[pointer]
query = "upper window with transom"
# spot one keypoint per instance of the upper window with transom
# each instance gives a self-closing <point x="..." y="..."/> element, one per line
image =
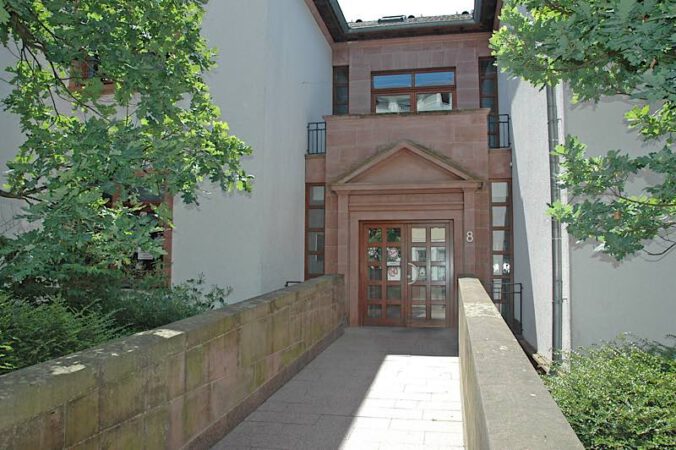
<point x="411" y="91"/>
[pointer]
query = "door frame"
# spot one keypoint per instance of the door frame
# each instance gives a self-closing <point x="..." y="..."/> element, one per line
<point x="405" y="245"/>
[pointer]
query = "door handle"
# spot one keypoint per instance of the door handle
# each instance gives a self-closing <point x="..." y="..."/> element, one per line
<point x="414" y="273"/>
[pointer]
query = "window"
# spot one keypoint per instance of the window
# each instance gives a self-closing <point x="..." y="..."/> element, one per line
<point x="488" y="97"/>
<point x="314" y="230"/>
<point x="341" y="91"/>
<point x="413" y="91"/>
<point x="501" y="238"/>
<point x="87" y="68"/>
<point x="143" y="262"/>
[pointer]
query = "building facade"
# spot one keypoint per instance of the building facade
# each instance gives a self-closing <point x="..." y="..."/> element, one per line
<point x="395" y="153"/>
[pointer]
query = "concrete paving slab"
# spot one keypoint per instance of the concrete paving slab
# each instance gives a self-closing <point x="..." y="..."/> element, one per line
<point x="374" y="388"/>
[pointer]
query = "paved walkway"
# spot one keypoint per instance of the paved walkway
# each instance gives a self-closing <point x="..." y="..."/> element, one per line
<point x="374" y="388"/>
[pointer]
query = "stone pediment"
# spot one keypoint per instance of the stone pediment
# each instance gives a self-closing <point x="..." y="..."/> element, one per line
<point x="406" y="165"/>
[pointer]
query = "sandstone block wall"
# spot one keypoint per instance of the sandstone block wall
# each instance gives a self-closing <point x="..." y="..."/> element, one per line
<point x="505" y="404"/>
<point x="184" y="385"/>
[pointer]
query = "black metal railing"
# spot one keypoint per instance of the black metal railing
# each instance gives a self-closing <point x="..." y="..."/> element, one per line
<point x="498" y="131"/>
<point x="509" y="299"/>
<point x="316" y="138"/>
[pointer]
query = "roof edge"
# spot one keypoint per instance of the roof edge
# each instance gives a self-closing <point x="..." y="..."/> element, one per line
<point x="332" y="15"/>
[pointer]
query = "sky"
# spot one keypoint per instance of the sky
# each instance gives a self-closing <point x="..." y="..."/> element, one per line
<point x="375" y="9"/>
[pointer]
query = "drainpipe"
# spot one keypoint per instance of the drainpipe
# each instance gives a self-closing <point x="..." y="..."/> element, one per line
<point x="557" y="265"/>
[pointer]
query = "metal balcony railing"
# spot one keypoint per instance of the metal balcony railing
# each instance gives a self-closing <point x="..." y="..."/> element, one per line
<point x="498" y="131"/>
<point x="316" y="138"/>
<point x="508" y="297"/>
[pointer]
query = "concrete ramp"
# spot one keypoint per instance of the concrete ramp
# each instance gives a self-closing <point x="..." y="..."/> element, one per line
<point x="374" y="388"/>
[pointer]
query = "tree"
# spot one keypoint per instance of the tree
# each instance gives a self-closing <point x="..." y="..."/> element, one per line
<point x="90" y="154"/>
<point x="605" y="48"/>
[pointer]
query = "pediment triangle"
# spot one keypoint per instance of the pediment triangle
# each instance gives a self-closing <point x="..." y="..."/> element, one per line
<point x="406" y="163"/>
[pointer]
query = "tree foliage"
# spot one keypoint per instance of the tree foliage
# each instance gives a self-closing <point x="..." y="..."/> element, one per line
<point x="90" y="155"/>
<point x="606" y="48"/>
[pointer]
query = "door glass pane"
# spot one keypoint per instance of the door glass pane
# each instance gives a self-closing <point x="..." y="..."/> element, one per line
<point x="315" y="264"/>
<point x="418" y="234"/>
<point x="438" y="254"/>
<point x="393" y="103"/>
<point x="499" y="216"/>
<point x="487" y="102"/>
<point x="375" y="292"/>
<point x="340" y="109"/>
<point x="315" y="241"/>
<point x="341" y="94"/>
<point x="434" y="79"/>
<point x="375" y="235"/>
<point x="316" y="196"/>
<point x="497" y="289"/>
<point x="394" y="292"/>
<point x="438" y="101"/>
<point x="501" y="265"/>
<point x="375" y="311"/>
<point x="418" y="312"/>
<point x="393" y="256"/>
<point x="500" y="241"/>
<point x="438" y="293"/>
<point x="392" y="81"/>
<point x="418" y="293"/>
<point x="419" y="254"/>
<point x="393" y="312"/>
<point x="393" y="274"/>
<point x="422" y="274"/>
<point x="374" y="253"/>
<point x="394" y="235"/>
<point x="488" y="87"/>
<point x="499" y="192"/>
<point x="487" y="67"/>
<point x="375" y="273"/>
<point x="438" y="273"/>
<point x="316" y="218"/>
<point x="438" y="234"/>
<point x="438" y="312"/>
<point x="340" y="74"/>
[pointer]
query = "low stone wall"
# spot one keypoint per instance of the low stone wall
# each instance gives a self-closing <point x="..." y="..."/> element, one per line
<point x="505" y="404"/>
<point x="182" y="386"/>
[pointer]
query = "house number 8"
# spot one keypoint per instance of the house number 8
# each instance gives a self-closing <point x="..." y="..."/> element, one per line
<point x="470" y="236"/>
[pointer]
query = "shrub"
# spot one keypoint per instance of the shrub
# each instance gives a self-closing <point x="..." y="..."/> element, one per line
<point x="619" y="395"/>
<point x="42" y="328"/>
<point x="143" y="309"/>
<point x="31" y="333"/>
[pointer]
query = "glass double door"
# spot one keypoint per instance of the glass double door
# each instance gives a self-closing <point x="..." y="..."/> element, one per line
<point x="405" y="274"/>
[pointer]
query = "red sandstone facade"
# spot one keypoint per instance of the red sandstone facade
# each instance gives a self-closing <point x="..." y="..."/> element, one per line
<point x="433" y="169"/>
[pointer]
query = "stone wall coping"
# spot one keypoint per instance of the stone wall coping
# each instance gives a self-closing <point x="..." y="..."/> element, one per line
<point x="505" y="403"/>
<point x="52" y="388"/>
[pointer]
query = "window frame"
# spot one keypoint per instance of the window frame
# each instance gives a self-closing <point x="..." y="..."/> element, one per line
<point x="412" y="91"/>
<point x="308" y="230"/>
<point x="337" y="85"/>
<point x="81" y="71"/>
<point x="493" y="124"/>
<point x="507" y="229"/>
<point x="167" y="232"/>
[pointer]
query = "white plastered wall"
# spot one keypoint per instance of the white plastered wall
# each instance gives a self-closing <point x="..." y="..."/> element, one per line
<point x="10" y="139"/>
<point x="527" y="107"/>
<point x="274" y="77"/>
<point x="609" y="298"/>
